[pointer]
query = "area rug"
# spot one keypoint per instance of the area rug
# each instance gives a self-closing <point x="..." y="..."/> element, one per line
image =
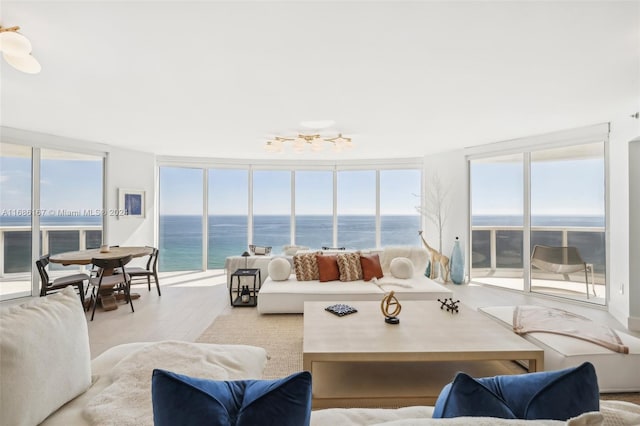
<point x="281" y="336"/>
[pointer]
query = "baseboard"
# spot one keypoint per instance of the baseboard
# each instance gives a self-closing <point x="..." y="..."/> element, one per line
<point x="633" y="323"/>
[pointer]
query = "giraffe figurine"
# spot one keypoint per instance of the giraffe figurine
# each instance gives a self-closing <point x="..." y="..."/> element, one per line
<point x="437" y="257"/>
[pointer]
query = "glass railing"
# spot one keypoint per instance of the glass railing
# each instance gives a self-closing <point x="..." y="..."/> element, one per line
<point x="15" y="245"/>
<point x="497" y="250"/>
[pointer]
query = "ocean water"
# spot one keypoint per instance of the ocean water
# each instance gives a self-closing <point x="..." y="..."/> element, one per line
<point x="181" y="237"/>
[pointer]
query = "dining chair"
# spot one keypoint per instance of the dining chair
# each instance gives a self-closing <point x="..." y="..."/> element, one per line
<point x="137" y="272"/>
<point x="51" y="286"/>
<point x="106" y="278"/>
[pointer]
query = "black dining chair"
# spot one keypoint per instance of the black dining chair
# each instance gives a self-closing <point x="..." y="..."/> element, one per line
<point x="151" y="270"/>
<point x="106" y="278"/>
<point x="51" y="286"/>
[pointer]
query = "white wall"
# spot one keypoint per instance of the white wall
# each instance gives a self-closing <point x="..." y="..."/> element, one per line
<point x="634" y="234"/>
<point x="622" y="131"/>
<point x="130" y="170"/>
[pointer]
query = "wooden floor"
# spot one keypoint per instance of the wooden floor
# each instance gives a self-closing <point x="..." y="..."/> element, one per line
<point x="190" y="301"/>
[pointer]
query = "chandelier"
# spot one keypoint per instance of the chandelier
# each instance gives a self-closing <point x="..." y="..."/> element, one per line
<point x="16" y="50"/>
<point x="312" y="142"/>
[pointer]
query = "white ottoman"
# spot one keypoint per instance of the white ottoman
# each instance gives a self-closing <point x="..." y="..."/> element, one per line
<point x="616" y="372"/>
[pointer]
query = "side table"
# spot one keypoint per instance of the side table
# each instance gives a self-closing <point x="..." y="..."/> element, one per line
<point x="253" y="292"/>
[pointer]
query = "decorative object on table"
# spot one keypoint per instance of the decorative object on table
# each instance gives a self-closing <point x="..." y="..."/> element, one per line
<point x="450" y="305"/>
<point x="437" y="258"/>
<point x="260" y="250"/>
<point x="456" y="263"/>
<point x="245" y="255"/>
<point x="341" y="309"/>
<point x="245" y="295"/>
<point x="104" y="248"/>
<point x="131" y="203"/>
<point x="390" y="302"/>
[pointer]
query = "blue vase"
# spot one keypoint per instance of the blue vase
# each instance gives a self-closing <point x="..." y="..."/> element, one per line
<point x="427" y="272"/>
<point x="456" y="263"/>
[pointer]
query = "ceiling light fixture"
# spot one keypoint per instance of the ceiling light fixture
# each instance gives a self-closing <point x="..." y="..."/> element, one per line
<point x="16" y="50"/>
<point x="303" y="142"/>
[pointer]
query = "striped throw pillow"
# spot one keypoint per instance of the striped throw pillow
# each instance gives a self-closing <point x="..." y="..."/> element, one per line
<point x="349" y="266"/>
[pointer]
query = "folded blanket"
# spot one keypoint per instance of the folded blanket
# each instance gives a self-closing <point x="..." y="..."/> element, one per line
<point x="538" y="319"/>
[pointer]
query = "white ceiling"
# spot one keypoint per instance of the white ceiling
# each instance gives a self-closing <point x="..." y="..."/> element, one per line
<point x="216" y="79"/>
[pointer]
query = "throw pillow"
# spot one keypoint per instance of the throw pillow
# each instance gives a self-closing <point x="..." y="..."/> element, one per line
<point x="401" y="267"/>
<point x="555" y="395"/>
<point x="328" y="268"/>
<point x="279" y="269"/>
<point x="306" y="266"/>
<point x="370" y="267"/>
<point x="349" y="266"/>
<point x="183" y="400"/>
<point x="44" y="357"/>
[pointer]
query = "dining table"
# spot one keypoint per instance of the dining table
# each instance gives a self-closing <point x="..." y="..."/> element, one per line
<point x="84" y="257"/>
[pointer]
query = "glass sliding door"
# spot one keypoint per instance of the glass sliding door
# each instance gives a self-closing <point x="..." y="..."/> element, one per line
<point x="15" y="221"/>
<point x="314" y="209"/>
<point x="181" y="218"/>
<point x="71" y="198"/>
<point x="497" y="219"/>
<point x="568" y="210"/>
<point x="272" y="209"/>
<point x="357" y="209"/>
<point x="399" y="196"/>
<point x="228" y="215"/>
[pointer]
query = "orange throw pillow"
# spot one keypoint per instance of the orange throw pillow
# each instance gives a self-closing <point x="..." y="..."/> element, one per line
<point x="371" y="267"/>
<point x="328" y="268"/>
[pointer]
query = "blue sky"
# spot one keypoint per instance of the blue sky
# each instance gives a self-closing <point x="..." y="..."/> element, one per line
<point x="65" y="184"/>
<point x="557" y="187"/>
<point x="564" y="187"/>
<point x="181" y="189"/>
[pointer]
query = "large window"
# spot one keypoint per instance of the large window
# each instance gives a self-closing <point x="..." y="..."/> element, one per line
<point x="15" y="221"/>
<point x="314" y="208"/>
<point x="568" y="210"/>
<point x="71" y="222"/>
<point x="272" y="208"/>
<point x="399" y="197"/>
<point x="228" y="214"/>
<point x="543" y="197"/>
<point x="68" y="215"/>
<point x="181" y="220"/>
<point x="497" y="217"/>
<point x="357" y="209"/>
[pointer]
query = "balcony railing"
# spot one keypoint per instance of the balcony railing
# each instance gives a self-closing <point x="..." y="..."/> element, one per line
<point x="499" y="248"/>
<point x="15" y="244"/>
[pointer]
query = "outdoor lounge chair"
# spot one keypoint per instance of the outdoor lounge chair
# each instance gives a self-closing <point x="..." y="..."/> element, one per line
<point x="562" y="260"/>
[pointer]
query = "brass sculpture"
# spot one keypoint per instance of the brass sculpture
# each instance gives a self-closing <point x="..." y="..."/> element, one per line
<point x="388" y="303"/>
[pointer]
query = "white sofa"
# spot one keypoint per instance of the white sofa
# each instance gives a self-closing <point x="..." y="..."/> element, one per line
<point x="288" y="296"/>
<point x="47" y="377"/>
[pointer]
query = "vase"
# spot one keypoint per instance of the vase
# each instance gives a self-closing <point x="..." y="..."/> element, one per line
<point x="456" y="263"/>
<point x="427" y="272"/>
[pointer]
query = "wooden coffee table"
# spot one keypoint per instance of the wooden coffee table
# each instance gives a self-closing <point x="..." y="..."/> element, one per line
<point x="360" y="361"/>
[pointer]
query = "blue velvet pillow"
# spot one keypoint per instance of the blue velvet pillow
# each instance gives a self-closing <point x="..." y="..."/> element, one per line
<point x="553" y="395"/>
<point x="182" y="400"/>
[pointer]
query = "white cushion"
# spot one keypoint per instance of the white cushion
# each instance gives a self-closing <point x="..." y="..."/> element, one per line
<point x="616" y="372"/>
<point x="279" y="269"/>
<point x="401" y="267"/>
<point x="44" y="357"/>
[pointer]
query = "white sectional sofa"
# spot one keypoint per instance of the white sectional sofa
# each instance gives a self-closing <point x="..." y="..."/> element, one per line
<point x="288" y="296"/>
